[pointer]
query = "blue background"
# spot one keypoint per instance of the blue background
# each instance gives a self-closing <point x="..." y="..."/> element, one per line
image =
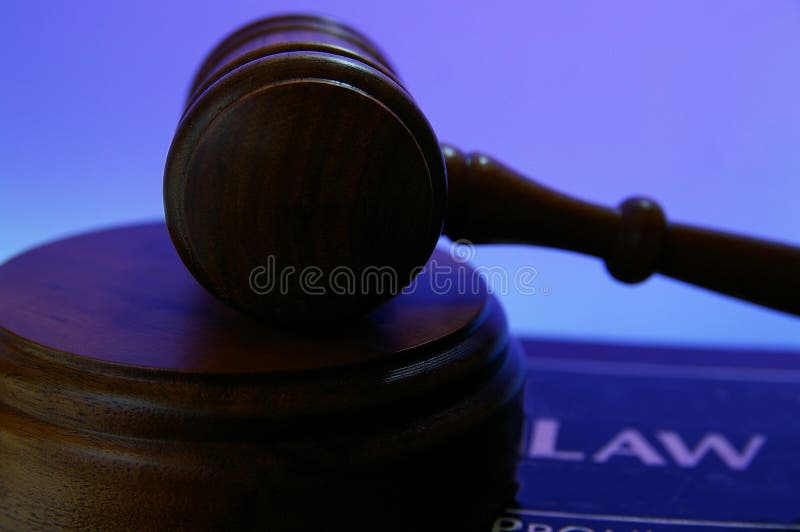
<point x="692" y="102"/>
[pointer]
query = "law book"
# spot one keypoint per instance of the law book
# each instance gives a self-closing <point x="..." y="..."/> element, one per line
<point x="620" y="438"/>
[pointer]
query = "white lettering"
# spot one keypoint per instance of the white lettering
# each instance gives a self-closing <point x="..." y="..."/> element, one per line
<point x="544" y="442"/>
<point x="507" y="524"/>
<point x="685" y="457"/>
<point x="630" y="442"/>
<point x="541" y="441"/>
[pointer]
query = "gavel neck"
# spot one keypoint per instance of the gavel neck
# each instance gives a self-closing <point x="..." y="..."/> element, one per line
<point x="490" y="203"/>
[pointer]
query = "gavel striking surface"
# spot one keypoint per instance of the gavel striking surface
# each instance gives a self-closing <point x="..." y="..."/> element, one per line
<point x="130" y="396"/>
<point x="299" y="143"/>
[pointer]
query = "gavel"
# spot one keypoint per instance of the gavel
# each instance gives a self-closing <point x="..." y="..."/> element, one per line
<point x="129" y="396"/>
<point x="300" y="155"/>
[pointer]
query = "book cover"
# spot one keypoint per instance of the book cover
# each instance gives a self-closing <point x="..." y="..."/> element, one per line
<point x="651" y="439"/>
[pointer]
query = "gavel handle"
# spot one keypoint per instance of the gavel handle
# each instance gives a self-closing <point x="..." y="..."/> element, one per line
<point x="489" y="202"/>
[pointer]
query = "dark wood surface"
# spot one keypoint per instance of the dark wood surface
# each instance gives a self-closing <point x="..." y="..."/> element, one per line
<point x="122" y="296"/>
<point x="130" y="397"/>
<point x="489" y="202"/>
<point x="299" y="143"/>
<point x="288" y="33"/>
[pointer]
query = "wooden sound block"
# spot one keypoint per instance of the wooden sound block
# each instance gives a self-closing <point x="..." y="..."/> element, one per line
<point x="131" y="398"/>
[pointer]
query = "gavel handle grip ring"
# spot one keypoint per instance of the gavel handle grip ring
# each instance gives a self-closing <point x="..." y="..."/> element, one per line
<point x="490" y="203"/>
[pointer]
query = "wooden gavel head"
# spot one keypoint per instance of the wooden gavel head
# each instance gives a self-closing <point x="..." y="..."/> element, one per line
<point x="304" y="183"/>
<point x="301" y="165"/>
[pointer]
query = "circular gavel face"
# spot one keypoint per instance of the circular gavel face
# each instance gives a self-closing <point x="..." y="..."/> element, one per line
<point x="304" y="185"/>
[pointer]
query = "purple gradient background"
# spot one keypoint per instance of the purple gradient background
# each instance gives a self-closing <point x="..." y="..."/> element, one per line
<point x="696" y="103"/>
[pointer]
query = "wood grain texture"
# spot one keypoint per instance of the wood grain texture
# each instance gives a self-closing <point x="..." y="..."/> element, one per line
<point x="299" y="144"/>
<point x="489" y="202"/>
<point x="286" y="33"/>
<point x="130" y="397"/>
